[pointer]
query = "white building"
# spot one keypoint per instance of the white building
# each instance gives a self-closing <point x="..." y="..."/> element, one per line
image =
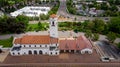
<point x="49" y="44"/>
<point x="38" y="44"/>
<point x="31" y="11"/>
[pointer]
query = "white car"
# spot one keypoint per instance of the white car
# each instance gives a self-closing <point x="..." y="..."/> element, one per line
<point x="105" y="59"/>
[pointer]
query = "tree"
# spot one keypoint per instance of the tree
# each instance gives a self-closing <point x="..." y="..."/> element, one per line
<point x="89" y="25"/>
<point x="98" y="25"/>
<point x="118" y="45"/>
<point x="114" y="25"/>
<point x="104" y="6"/>
<point x="95" y="36"/>
<point x="23" y="19"/>
<point x="113" y="8"/>
<point x="111" y="37"/>
<point x="44" y="17"/>
<point x="40" y="26"/>
<point x="88" y="34"/>
<point x="13" y="25"/>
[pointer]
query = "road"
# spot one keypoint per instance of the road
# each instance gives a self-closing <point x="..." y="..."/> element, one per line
<point x="62" y="34"/>
<point x="62" y="11"/>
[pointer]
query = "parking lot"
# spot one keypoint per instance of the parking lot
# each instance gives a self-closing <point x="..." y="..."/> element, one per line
<point x="109" y="50"/>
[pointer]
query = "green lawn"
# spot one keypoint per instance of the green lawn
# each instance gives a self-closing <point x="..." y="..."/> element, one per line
<point x="6" y="42"/>
<point x="34" y="27"/>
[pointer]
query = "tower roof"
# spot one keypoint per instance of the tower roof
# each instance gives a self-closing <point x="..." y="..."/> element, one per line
<point x="53" y="16"/>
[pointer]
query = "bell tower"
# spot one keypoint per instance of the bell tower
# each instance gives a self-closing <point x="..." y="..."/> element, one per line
<point x="53" y="26"/>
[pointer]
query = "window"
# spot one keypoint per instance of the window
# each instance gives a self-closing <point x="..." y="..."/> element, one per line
<point x="51" y="53"/>
<point x="24" y="46"/>
<point x="24" y="53"/>
<point x="29" y="45"/>
<point x="53" y="24"/>
<point x="13" y="53"/>
<point x="40" y="45"/>
<point x="56" y="53"/>
<point x="45" y="45"/>
<point x="18" y="53"/>
<point x="56" y="44"/>
<point x="35" y="45"/>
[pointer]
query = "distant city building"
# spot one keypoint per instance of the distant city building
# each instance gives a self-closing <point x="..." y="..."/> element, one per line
<point x="50" y="44"/>
<point x="100" y="1"/>
<point x="31" y="11"/>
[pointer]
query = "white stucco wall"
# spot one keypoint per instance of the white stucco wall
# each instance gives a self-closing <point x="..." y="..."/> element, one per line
<point x="90" y="51"/>
<point x="35" y="47"/>
<point x="53" y="29"/>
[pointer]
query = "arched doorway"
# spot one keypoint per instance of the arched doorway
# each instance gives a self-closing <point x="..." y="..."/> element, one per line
<point x="35" y="52"/>
<point x="40" y="52"/>
<point x="86" y="52"/>
<point x="30" y="52"/>
<point x="61" y="51"/>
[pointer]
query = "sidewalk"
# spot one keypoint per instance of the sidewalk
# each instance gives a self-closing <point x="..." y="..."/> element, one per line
<point x="3" y="55"/>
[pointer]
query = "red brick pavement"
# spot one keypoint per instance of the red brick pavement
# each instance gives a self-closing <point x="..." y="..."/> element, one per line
<point x="73" y="60"/>
<point x="63" y="65"/>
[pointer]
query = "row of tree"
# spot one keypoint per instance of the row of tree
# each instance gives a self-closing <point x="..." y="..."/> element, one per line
<point x="70" y="7"/>
<point x="95" y="27"/>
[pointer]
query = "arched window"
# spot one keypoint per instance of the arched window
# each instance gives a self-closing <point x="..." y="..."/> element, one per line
<point x="18" y="53"/>
<point x="40" y="52"/>
<point x="56" y="53"/>
<point x="53" y="23"/>
<point x="13" y="53"/>
<point x="35" y="52"/>
<point x="51" y="53"/>
<point x="30" y="52"/>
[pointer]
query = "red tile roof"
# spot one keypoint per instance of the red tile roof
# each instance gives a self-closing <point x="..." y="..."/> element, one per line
<point x="36" y="39"/>
<point x="67" y="44"/>
<point x="80" y="43"/>
<point x="84" y="42"/>
<point x="53" y="16"/>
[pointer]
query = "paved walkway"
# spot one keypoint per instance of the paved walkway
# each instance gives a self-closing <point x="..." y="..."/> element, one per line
<point x="3" y="55"/>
